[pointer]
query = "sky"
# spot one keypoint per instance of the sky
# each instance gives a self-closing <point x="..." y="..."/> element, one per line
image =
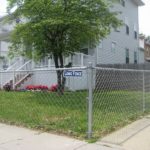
<point x="144" y="12"/>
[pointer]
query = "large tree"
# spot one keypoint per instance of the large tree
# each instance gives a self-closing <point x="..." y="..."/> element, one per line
<point x="59" y="27"/>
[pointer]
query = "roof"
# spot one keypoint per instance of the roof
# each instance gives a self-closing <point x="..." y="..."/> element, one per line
<point x="142" y="37"/>
<point x="139" y="2"/>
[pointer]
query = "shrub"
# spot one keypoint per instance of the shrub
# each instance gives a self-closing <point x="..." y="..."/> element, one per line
<point x="53" y="87"/>
<point x="37" y="87"/>
<point x="30" y="87"/>
<point x="7" y="87"/>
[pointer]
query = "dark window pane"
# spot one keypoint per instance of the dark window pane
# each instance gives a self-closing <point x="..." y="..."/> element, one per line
<point x="135" y="34"/>
<point x="122" y="2"/>
<point x="84" y="51"/>
<point x="127" y="29"/>
<point x="127" y="56"/>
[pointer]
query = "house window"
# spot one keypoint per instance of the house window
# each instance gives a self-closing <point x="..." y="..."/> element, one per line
<point x="127" y="26"/>
<point x="122" y="2"/>
<point x="127" y="30"/>
<point x="84" y="51"/>
<point x="113" y="46"/>
<point x="135" y="31"/>
<point x="127" y="56"/>
<point x="135" y="34"/>
<point x="5" y="63"/>
<point x="135" y="57"/>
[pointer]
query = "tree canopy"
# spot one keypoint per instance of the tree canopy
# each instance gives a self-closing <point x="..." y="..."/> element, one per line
<point x="59" y="27"/>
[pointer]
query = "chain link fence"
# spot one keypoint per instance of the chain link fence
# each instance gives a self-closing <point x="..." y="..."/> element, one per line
<point x="31" y="98"/>
<point x="93" y="102"/>
<point x="118" y="99"/>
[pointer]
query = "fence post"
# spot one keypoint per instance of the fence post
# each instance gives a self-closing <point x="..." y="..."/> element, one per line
<point x="13" y="82"/>
<point x="143" y="91"/>
<point x="1" y="80"/>
<point x="82" y="59"/>
<point x="49" y="62"/>
<point x="90" y="100"/>
<point x="32" y="64"/>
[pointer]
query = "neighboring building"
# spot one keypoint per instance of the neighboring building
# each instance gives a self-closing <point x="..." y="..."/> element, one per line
<point x="142" y="41"/>
<point x="147" y="50"/>
<point x="144" y="44"/>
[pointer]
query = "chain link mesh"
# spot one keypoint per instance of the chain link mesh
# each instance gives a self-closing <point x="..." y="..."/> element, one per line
<point x="119" y="97"/>
<point x="36" y="102"/>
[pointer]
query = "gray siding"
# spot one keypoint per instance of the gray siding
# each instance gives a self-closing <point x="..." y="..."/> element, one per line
<point x="105" y="55"/>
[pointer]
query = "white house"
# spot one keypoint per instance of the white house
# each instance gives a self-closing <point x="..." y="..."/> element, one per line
<point x="120" y="47"/>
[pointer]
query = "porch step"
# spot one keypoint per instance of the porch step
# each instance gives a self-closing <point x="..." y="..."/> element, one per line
<point x="22" y="80"/>
<point x="19" y="79"/>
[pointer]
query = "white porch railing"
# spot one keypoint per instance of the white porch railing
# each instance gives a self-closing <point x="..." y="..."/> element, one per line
<point x="26" y="66"/>
<point x="77" y="60"/>
<point x="80" y="59"/>
<point x="14" y="65"/>
<point x="15" y="75"/>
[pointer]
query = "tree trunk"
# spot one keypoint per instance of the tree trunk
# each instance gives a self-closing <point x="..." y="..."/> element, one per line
<point x="60" y="78"/>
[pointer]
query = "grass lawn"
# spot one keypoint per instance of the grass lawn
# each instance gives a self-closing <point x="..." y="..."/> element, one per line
<point x="67" y="114"/>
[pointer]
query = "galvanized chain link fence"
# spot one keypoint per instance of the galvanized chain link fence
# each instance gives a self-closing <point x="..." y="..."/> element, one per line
<point x="94" y="101"/>
<point x="34" y="101"/>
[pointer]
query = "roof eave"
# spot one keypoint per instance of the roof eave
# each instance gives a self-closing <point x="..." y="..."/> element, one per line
<point x="139" y="2"/>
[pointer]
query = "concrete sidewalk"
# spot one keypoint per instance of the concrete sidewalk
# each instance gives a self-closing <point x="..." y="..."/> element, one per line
<point x="141" y="141"/>
<point x="135" y="136"/>
<point x="16" y="138"/>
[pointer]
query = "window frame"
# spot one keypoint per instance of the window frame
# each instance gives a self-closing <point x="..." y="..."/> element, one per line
<point x="113" y="46"/>
<point x="135" y="57"/>
<point x="135" y="32"/>
<point x="127" y="27"/>
<point x="123" y="3"/>
<point x="127" y="56"/>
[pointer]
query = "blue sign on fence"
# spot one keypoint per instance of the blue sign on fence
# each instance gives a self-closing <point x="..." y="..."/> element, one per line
<point x="68" y="73"/>
<point x="72" y="73"/>
<point x="78" y="73"/>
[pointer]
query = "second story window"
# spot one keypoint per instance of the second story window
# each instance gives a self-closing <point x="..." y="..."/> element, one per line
<point x="135" y="34"/>
<point x="127" y="26"/>
<point x="127" y="55"/>
<point x="127" y="30"/>
<point x="122" y="3"/>
<point x="135" y="31"/>
<point x="113" y="46"/>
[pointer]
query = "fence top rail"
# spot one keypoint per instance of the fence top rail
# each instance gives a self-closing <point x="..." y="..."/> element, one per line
<point x="45" y="69"/>
<point x="124" y="70"/>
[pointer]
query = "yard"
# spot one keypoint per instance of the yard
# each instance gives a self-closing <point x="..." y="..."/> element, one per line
<point x="67" y="114"/>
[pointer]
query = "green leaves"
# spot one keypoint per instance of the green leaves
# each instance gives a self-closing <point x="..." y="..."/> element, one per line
<point x="60" y="26"/>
